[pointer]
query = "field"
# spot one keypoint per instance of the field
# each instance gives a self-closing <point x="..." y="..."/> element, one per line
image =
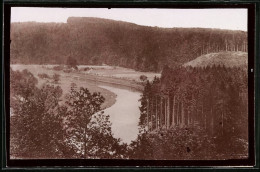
<point x="119" y="72"/>
<point x="91" y="79"/>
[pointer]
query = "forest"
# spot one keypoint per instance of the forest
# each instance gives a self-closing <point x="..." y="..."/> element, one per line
<point x="96" y="41"/>
<point x="197" y="106"/>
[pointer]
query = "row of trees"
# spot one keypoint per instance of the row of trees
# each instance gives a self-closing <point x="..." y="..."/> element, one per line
<point x="212" y="98"/>
<point x="229" y="45"/>
<point x="43" y="127"/>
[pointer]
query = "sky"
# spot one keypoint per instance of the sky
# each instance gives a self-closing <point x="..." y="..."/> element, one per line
<point x="232" y="19"/>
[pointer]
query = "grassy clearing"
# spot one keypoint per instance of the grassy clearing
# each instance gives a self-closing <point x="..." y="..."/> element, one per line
<point x="224" y="58"/>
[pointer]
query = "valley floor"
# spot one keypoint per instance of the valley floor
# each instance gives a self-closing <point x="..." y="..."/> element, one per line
<point x="97" y="75"/>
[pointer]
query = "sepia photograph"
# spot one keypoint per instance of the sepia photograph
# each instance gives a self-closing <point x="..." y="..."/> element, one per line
<point x="129" y="83"/>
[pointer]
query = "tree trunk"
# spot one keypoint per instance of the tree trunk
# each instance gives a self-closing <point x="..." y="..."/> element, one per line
<point x="205" y="119"/>
<point x="178" y="114"/>
<point x="212" y="121"/>
<point x="156" y="120"/>
<point x="151" y="114"/>
<point x="85" y="141"/>
<point x="161" y="111"/>
<point x="182" y="114"/>
<point x="168" y="112"/>
<point x="226" y="45"/>
<point x="188" y="117"/>
<point x="173" y="111"/>
<point x="222" y="122"/>
<point x="165" y="113"/>
<point x="147" y="117"/>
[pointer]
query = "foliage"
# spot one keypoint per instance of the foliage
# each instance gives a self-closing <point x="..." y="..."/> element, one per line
<point x="56" y="78"/>
<point x="42" y="127"/>
<point x="86" y="68"/>
<point x="148" y="93"/>
<point x="58" y="68"/>
<point x="173" y="144"/>
<point x="36" y="127"/>
<point x="43" y="76"/>
<point x="143" y="78"/>
<point x="22" y="84"/>
<point x="89" y="130"/>
<point x="72" y="62"/>
<point x="67" y="70"/>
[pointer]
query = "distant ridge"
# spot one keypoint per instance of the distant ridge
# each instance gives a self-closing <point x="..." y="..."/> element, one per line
<point x="91" y="20"/>
<point x="227" y="59"/>
<point x="94" y="41"/>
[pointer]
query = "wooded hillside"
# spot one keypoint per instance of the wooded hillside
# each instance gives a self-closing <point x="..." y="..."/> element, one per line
<point x="96" y="41"/>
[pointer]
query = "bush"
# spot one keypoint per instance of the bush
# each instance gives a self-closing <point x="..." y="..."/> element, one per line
<point x="72" y="63"/>
<point x="67" y="70"/>
<point x="58" y="68"/>
<point x="86" y="69"/>
<point x="44" y="76"/>
<point x="56" y="78"/>
<point x="143" y="78"/>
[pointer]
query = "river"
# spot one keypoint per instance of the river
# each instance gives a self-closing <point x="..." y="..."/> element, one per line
<point x="124" y="114"/>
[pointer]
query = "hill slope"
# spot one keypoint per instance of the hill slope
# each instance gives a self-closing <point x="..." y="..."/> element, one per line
<point x="94" y="41"/>
<point x="227" y="59"/>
